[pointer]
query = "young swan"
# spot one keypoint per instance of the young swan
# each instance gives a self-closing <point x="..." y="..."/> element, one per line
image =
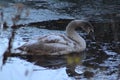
<point x="59" y="44"/>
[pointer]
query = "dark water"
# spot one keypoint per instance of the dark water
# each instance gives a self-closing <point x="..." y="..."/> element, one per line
<point x="100" y="61"/>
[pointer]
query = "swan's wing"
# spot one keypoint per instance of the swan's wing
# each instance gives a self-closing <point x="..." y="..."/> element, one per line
<point x="44" y="48"/>
<point x="49" y="44"/>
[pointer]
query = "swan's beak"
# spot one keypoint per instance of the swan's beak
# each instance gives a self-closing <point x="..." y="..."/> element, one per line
<point x="91" y="33"/>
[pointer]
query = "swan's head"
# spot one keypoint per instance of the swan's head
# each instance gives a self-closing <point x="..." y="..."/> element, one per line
<point x="86" y="26"/>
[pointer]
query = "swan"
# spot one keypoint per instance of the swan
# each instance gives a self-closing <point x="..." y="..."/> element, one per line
<point x="59" y="44"/>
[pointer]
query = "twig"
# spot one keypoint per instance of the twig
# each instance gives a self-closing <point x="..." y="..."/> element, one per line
<point x="10" y="42"/>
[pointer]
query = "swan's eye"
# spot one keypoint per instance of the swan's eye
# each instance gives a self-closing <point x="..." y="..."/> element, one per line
<point x="87" y="26"/>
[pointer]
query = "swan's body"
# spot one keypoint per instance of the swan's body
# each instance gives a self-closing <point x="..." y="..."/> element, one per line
<point x="58" y="44"/>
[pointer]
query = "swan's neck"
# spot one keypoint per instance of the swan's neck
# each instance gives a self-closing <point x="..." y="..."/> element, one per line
<point x="71" y="33"/>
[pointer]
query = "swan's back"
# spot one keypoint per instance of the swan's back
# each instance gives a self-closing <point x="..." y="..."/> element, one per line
<point x="53" y="39"/>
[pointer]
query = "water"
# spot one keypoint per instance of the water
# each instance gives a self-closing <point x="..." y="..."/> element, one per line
<point x="101" y="64"/>
<point x="100" y="61"/>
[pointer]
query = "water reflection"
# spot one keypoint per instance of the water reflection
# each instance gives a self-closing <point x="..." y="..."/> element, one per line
<point x="69" y="61"/>
<point x="26" y="66"/>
